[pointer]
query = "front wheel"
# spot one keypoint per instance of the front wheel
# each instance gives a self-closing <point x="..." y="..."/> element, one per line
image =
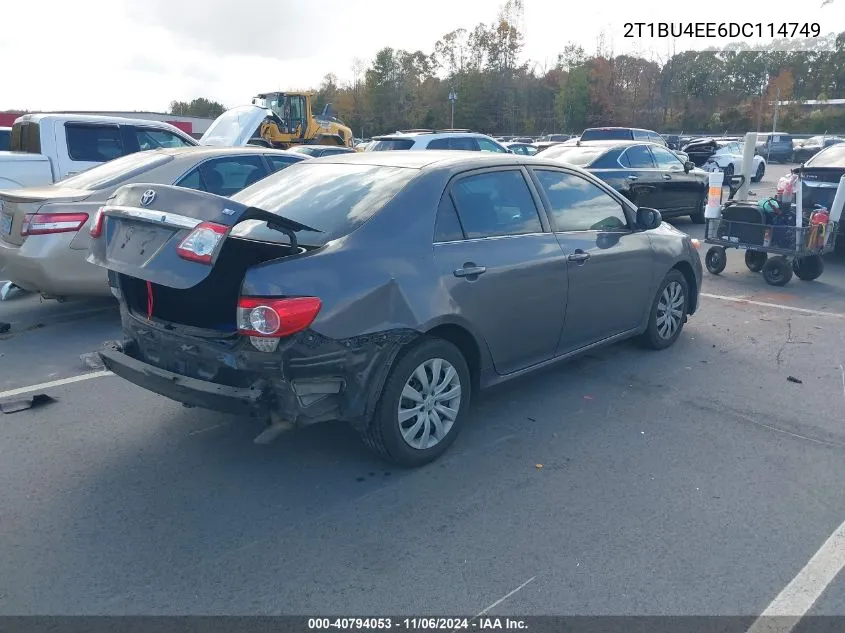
<point x="808" y="268"/>
<point x="761" y="171"/>
<point x="716" y="259"/>
<point x="668" y="312"/>
<point x="422" y="405"/>
<point x="729" y="173"/>
<point x="777" y="271"/>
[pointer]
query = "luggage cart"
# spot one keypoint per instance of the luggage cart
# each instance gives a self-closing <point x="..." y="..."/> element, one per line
<point x="796" y="250"/>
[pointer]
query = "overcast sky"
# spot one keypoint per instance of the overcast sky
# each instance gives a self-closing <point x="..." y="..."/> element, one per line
<point x="141" y="54"/>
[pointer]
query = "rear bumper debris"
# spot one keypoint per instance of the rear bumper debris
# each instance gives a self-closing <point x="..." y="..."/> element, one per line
<point x="190" y="391"/>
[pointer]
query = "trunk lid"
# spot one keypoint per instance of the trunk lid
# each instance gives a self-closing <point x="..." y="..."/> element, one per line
<point x="819" y="185"/>
<point x="16" y="204"/>
<point x="144" y="224"/>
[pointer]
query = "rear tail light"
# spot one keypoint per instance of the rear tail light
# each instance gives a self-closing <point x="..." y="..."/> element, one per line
<point x="263" y="318"/>
<point x="45" y="223"/>
<point x="96" y="229"/>
<point x="199" y="245"/>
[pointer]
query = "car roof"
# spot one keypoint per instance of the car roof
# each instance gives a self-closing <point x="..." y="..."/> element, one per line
<point x="612" y="144"/>
<point x="210" y="150"/>
<point x="413" y="135"/>
<point x="436" y="159"/>
<point x="620" y="127"/>
<point x="325" y="147"/>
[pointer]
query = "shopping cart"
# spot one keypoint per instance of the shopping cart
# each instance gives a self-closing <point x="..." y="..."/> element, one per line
<point x="796" y="249"/>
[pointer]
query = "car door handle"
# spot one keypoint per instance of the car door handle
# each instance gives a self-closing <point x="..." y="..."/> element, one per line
<point x="578" y="256"/>
<point x="470" y="270"/>
<point x="667" y="177"/>
<point x="633" y="178"/>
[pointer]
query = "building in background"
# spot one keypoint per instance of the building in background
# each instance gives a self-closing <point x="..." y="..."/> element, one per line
<point x="195" y="126"/>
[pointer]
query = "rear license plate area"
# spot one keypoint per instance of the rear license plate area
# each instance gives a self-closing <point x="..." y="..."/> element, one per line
<point x="137" y="242"/>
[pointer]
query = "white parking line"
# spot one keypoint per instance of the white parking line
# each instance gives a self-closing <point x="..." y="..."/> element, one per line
<point x="798" y="597"/>
<point x="54" y="383"/>
<point x="773" y="305"/>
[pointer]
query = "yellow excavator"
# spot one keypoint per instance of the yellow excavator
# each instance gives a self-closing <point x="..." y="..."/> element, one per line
<point x="294" y="124"/>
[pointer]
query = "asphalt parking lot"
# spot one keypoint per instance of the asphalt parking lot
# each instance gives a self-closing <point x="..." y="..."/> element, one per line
<point x="695" y="481"/>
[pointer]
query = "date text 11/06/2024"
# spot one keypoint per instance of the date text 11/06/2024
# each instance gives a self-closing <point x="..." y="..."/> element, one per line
<point x="478" y="623"/>
<point x="722" y="29"/>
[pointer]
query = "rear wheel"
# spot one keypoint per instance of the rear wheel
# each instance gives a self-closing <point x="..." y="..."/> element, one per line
<point x="755" y="260"/>
<point x="808" y="268"/>
<point x="716" y="259"/>
<point x="668" y="312"/>
<point x="422" y="406"/>
<point x="729" y="172"/>
<point x="777" y="271"/>
<point x="698" y="216"/>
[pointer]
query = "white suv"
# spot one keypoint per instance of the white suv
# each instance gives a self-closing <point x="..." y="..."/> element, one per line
<point x="432" y="139"/>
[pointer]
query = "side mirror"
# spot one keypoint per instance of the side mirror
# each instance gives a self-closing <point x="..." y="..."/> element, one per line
<point x="648" y="219"/>
<point x="689" y="166"/>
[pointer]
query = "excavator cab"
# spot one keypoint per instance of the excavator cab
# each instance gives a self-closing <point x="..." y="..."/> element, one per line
<point x="291" y="109"/>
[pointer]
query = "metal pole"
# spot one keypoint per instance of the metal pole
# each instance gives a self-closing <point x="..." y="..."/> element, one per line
<point x="453" y="115"/>
<point x="775" y="116"/>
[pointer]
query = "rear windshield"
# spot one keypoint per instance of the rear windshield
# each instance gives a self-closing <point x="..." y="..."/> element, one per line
<point x="390" y="144"/>
<point x="26" y="137"/>
<point x="574" y="155"/>
<point x="334" y="198"/>
<point x="5" y="140"/>
<point x="833" y="156"/>
<point x="607" y="134"/>
<point x="116" y="171"/>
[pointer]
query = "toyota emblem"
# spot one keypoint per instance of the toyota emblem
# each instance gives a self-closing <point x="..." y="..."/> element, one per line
<point x="147" y="197"/>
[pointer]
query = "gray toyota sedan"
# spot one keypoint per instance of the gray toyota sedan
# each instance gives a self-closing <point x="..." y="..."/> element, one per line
<point x="384" y="288"/>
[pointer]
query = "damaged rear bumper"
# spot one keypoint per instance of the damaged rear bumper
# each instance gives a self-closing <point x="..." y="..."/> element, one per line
<point x="190" y="391"/>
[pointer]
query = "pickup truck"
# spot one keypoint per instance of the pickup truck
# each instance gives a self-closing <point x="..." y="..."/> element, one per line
<point x="46" y="148"/>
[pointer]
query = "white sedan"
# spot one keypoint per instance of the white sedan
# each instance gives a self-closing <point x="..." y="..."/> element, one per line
<point x="728" y="159"/>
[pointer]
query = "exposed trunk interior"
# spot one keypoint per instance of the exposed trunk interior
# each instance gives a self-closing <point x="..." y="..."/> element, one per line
<point x="212" y="303"/>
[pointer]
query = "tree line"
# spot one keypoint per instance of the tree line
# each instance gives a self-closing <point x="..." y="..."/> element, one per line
<point x="499" y="92"/>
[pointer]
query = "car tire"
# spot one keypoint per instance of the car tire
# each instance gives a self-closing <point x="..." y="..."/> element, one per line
<point x="808" y="268"/>
<point x="668" y="312"/>
<point x="755" y="260"/>
<point x="777" y="271"/>
<point x="698" y="216"/>
<point x="715" y="260"/>
<point x="728" y="174"/>
<point x="386" y="434"/>
<point x="761" y="171"/>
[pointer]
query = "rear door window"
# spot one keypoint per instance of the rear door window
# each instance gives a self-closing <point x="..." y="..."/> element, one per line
<point x="5" y="140"/>
<point x="496" y="203"/>
<point x="93" y="143"/>
<point x="637" y="157"/>
<point x="463" y="143"/>
<point x="640" y="135"/>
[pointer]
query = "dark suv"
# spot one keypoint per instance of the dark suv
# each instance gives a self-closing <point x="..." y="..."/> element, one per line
<point x="622" y="134"/>
<point x="775" y="147"/>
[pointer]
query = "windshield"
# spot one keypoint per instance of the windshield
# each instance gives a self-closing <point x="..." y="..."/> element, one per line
<point x="574" y="155"/>
<point x="607" y="134"/>
<point x="116" y="171"/>
<point x="226" y="128"/>
<point x="833" y="156"/>
<point x="334" y="198"/>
